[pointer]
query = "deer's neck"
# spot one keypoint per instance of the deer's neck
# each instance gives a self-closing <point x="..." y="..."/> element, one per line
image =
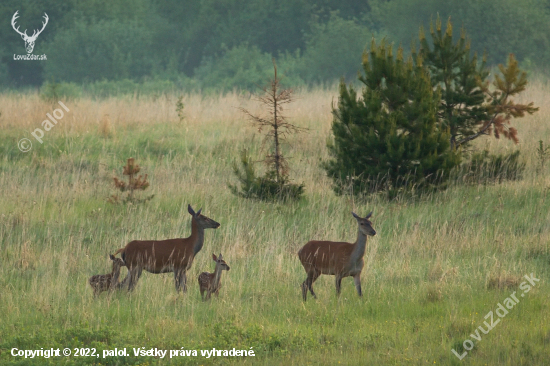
<point x="217" y="276"/>
<point x="197" y="236"/>
<point x="359" y="247"/>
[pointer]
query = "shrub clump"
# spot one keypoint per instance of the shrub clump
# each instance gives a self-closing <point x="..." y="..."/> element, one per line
<point x="263" y="188"/>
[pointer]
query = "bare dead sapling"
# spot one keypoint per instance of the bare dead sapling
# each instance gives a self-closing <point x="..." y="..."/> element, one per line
<point x="275" y="184"/>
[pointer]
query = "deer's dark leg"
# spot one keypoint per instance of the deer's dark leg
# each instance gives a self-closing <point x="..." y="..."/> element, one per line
<point x="133" y="274"/>
<point x="308" y="283"/>
<point x="180" y="279"/>
<point x="312" y="278"/>
<point x="304" y="289"/>
<point x="357" y="280"/>
<point x="177" y="279"/>
<point x="184" y="281"/>
<point x="338" y="285"/>
<point x="178" y="273"/>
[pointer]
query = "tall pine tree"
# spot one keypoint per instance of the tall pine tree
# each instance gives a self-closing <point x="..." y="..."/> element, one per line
<point x="389" y="139"/>
<point x="468" y="108"/>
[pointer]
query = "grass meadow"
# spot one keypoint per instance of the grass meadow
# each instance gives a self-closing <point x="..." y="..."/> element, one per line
<point x="437" y="266"/>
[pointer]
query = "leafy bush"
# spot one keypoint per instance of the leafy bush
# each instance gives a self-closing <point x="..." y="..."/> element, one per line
<point x="246" y="68"/>
<point x="240" y="67"/>
<point x="54" y="92"/>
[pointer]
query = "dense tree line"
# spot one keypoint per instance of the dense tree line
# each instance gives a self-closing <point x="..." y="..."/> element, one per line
<point x="230" y="43"/>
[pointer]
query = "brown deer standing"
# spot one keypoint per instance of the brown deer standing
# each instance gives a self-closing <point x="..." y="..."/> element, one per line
<point x="210" y="282"/>
<point x="162" y="256"/>
<point x="107" y="282"/>
<point x="336" y="258"/>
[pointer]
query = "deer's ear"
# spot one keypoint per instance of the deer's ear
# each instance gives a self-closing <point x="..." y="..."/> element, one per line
<point x="190" y="210"/>
<point x="355" y="215"/>
<point x="369" y="215"/>
<point x="220" y="257"/>
<point x="199" y="211"/>
<point x="214" y="257"/>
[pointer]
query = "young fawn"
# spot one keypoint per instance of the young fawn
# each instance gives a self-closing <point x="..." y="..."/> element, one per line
<point x="107" y="282"/>
<point x="210" y="282"/>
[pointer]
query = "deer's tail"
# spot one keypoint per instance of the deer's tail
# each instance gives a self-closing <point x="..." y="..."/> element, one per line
<point x="119" y="251"/>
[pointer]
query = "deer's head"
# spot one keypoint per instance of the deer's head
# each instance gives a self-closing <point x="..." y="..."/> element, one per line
<point x="117" y="262"/>
<point x="203" y="221"/>
<point x="365" y="226"/>
<point x="220" y="262"/>
<point x="29" y="41"/>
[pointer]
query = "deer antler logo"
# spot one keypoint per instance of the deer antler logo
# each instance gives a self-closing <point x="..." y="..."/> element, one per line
<point x="29" y="41"/>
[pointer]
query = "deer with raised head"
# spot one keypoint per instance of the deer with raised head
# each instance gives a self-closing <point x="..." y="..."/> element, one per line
<point x="107" y="282"/>
<point x="29" y="41"/>
<point x="338" y="259"/>
<point x="210" y="282"/>
<point x="163" y="256"/>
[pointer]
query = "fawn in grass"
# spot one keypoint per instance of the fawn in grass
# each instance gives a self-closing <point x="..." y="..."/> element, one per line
<point x="109" y="281"/>
<point x="162" y="256"/>
<point x="210" y="282"/>
<point x="339" y="259"/>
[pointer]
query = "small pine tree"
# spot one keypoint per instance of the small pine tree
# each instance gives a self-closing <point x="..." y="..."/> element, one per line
<point x="131" y="169"/>
<point x="389" y="139"/>
<point x="180" y="106"/>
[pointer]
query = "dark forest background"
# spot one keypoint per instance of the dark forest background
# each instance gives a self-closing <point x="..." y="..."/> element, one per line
<point x="226" y="44"/>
